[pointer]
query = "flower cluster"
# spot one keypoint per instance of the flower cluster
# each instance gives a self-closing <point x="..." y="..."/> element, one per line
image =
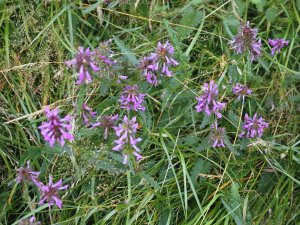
<point x="56" y="129"/>
<point x="29" y="221"/>
<point x="87" y="115"/>
<point x="132" y="99"/>
<point x="246" y="40"/>
<point x="107" y="122"/>
<point x="208" y="101"/>
<point x="241" y="90"/>
<point x="49" y="192"/>
<point x="253" y="127"/>
<point x="84" y="63"/>
<point x="216" y="136"/>
<point x="127" y="142"/>
<point x="277" y="44"/>
<point x="27" y="174"/>
<point x="158" y="63"/>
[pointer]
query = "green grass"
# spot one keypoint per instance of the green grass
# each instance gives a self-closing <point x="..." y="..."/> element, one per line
<point x="182" y="180"/>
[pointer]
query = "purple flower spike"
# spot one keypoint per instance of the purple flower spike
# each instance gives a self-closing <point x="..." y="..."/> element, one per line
<point x="253" y="127"/>
<point x="84" y="63"/>
<point x="163" y="58"/>
<point x="216" y="136"/>
<point x="49" y="192"/>
<point x="277" y="44"/>
<point x="246" y="40"/>
<point x="107" y="122"/>
<point x="241" y="90"/>
<point x="29" y="221"/>
<point x="208" y="101"/>
<point x="126" y="132"/>
<point x="132" y="99"/>
<point x="148" y="68"/>
<point x="27" y="174"/>
<point x="87" y="114"/>
<point x="56" y="129"/>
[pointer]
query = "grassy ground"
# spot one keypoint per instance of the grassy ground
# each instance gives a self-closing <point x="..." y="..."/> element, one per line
<point x="181" y="180"/>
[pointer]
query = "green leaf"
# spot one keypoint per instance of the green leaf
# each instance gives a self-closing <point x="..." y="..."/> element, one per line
<point x="92" y="7"/>
<point x="229" y="145"/>
<point x="126" y="51"/>
<point x="150" y="180"/>
<point x="271" y="13"/>
<point x="191" y="18"/>
<point x="201" y="166"/>
<point x="232" y="203"/>
<point x="196" y="2"/>
<point x="259" y="4"/>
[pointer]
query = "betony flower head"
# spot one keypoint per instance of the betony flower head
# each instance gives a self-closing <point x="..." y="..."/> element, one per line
<point x="56" y="129"/>
<point x="241" y="90"/>
<point x="253" y="127"/>
<point x="127" y="142"/>
<point x="103" y="57"/>
<point x="277" y="44"/>
<point x="148" y="67"/>
<point x="163" y="58"/>
<point x="49" y="192"/>
<point x="29" y="221"/>
<point x="87" y="114"/>
<point x="216" y="136"/>
<point x="246" y="40"/>
<point x="27" y="174"/>
<point x="84" y="63"/>
<point x="107" y="122"/>
<point x="132" y="99"/>
<point x="208" y="101"/>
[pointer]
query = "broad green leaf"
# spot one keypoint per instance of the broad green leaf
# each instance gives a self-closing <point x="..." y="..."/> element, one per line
<point x="126" y="51"/>
<point x="191" y="18"/>
<point x="271" y="13"/>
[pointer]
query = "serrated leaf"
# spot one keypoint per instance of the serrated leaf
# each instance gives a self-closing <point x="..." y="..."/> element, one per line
<point x="191" y="17"/>
<point x="259" y="4"/>
<point x="229" y="145"/>
<point x="271" y="13"/>
<point x="196" y="2"/>
<point x="204" y="145"/>
<point x="206" y="120"/>
<point x="126" y="51"/>
<point x="150" y="180"/>
<point x="201" y="166"/>
<point x="240" y="7"/>
<point x="232" y="203"/>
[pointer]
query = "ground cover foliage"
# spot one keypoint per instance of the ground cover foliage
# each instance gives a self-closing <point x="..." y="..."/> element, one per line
<point x="182" y="178"/>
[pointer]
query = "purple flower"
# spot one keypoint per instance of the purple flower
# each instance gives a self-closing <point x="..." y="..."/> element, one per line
<point x="148" y="67"/>
<point x="277" y="44"/>
<point x="216" y="136"/>
<point x="241" y="90"/>
<point x="162" y="58"/>
<point x="29" y="221"/>
<point x="132" y="99"/>
<point x="103" y="58"/>
<point x="107" y="122"/>
<point x="208" y="101"/>
<point x="87" y="115"/>
<point x="253" y="127"/>
<point x="84" y="62"/>
<point x="49" y="192"/>
<point x="27" y="174"/>
<point x="127" y="142"/>
<point x="246" y="40"/>
<point x="56" y="129"/>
